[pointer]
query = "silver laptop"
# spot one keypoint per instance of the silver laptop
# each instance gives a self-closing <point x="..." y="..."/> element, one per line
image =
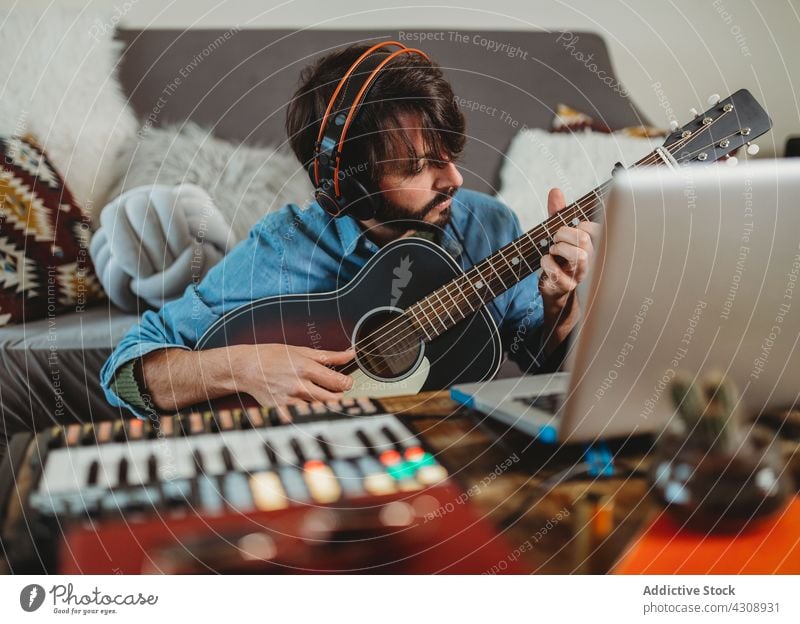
<point x="697" y="269"/>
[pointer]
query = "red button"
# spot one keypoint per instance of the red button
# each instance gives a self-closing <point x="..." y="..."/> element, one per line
<point x="314" y="464"/>
<point x="390" y="457"/>
<point x="414" y="452"/>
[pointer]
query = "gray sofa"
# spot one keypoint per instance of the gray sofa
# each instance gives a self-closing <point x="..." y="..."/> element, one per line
<point x="239" y="82"/>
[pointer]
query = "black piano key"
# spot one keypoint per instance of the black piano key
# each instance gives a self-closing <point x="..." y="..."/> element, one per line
<point x="152" y="469"/>
<point x="323" y="443"/>
<point x="197" y="457"/>
<point x="298" y="451"/>
<point x="56" y="438"/>
<point x="94" y="469"/>
<point x="122" y="471"/>
<point x="227" y="458"/>
<point x="272" y="456"/>
<point x="87" y="434"/>
<point x="274" y="419"/>
<point x="392" y="438"/>
<point x="369" y="446"/>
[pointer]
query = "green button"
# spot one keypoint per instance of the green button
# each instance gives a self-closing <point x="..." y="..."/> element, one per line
<point x="426" y="459"/>
<point x="402" y="470"/>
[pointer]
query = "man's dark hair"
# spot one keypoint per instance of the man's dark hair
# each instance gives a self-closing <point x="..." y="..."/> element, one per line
<point x="408" y="84"/>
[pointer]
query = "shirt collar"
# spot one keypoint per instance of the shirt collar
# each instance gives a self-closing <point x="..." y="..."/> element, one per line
<point x="350" y="232"/>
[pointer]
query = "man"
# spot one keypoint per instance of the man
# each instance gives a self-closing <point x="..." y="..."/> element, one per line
<point x="403" y="146"/>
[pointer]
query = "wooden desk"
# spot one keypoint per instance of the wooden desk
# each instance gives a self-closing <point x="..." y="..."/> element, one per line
<point x="500" y="471"/>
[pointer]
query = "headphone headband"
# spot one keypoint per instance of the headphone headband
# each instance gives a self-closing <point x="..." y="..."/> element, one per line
<point x="326" y="167"/>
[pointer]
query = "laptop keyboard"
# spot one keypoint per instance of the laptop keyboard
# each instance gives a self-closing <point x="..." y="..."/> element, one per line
<point x="547" y="402"/>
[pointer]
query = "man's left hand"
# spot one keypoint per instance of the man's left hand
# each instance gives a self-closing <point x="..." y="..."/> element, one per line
<point x="563" y="268"/>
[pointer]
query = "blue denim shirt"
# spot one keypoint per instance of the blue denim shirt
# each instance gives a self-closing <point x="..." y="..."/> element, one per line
<point x="303" y="250"/>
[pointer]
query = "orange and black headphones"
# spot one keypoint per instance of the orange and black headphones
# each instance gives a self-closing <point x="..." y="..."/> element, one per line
<point x="337" y="191"/>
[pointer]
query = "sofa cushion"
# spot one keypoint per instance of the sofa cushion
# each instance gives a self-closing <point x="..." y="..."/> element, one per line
<point x="50" y="369"/>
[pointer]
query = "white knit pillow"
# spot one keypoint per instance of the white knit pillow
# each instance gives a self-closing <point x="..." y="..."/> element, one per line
<point x="154" y="241"/>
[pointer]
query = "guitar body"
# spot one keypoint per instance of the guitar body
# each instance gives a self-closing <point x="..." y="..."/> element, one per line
<point x="399" y="275"/>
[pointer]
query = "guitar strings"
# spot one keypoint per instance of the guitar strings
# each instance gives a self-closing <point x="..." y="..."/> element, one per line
<point x="593" y="202"/>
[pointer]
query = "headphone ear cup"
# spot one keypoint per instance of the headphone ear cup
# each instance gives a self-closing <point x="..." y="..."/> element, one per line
<point x="362" y="204"/>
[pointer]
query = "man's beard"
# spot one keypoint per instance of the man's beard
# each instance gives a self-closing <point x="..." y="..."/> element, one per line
<point x="402" y="219"/>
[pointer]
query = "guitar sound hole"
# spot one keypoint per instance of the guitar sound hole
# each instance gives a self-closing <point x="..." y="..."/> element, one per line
<point x="387" y="346"/>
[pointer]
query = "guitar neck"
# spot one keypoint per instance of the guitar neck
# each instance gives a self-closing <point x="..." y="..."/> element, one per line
<point x="460" y="298"/>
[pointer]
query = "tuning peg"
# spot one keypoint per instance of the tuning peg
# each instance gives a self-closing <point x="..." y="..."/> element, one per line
<point x="731" y="161"/>
<point x="693" y="112"/>
<point x="713" y="99"/>
<point x="752" y="149"/>
<point x="673" y="125"/>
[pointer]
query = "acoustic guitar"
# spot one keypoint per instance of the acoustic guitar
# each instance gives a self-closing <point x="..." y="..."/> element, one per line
<point x="417" y="321"/>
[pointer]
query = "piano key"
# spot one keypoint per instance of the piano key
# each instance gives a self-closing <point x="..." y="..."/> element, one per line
<point x="209" y="447"/>
<point x="122" y="471"/>
<point x="166" y="426"/>
<point x="136" y="458"/>
<point x="284" y="416"/>
<point x="196" y="424"/>
<point x="293" y="483"/>
<point x="394" y="440"/>
<point x="210" y="422"/>
<point x="247" y="452"/>
<point x="301" y="410"/>
<point x="209" y="497"/>
<point x="104" y="432"/>
<point x="135" y="429"/>
<point x="87" y="434"/>
<point x="227" y="459"/>
<point x="376" y="480"/>
<point x="273" y="418"/>
<point x="56" y="437"/>
<point x="431" y="475"/>
<point x="73" y="436"/>
<point x="321" y="482"/>
<point x="372" y="444"/>
<point x="177" y="492"/>
<point x="268" y="492"/>
<point x="236" y="492"/>
<point x="368" y="406"/>
<point x="225" y="419"/>
<point x="94" y="469"/>
<point x="119" y="431"/>
<point x="349" y="477"/>
<point x="255" y="418"/>
<point x="108" y="457"/>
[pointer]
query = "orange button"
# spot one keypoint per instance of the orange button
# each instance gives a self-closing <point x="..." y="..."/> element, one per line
<point x="314" y="464"/>
<point x="389" y="458"/>
<point x="414" y="452"/>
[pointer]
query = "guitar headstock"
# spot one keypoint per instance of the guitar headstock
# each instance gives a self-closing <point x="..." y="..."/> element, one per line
<point x="723" y="128"/>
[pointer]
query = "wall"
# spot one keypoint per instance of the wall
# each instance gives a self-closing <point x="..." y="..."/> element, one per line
<point x="670" y="55"/>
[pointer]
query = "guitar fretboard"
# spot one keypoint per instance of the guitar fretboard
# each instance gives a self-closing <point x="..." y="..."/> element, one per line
<point x="460" y="298"/>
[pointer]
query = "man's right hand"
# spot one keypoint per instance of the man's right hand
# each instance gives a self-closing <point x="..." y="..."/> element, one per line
<point x="276" y="374"/>
<point x="273" y="374"/>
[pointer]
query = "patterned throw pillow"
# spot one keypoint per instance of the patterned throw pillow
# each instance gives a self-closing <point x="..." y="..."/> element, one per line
<point x="44" y="239"/>
<point x="568" y="119"/>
